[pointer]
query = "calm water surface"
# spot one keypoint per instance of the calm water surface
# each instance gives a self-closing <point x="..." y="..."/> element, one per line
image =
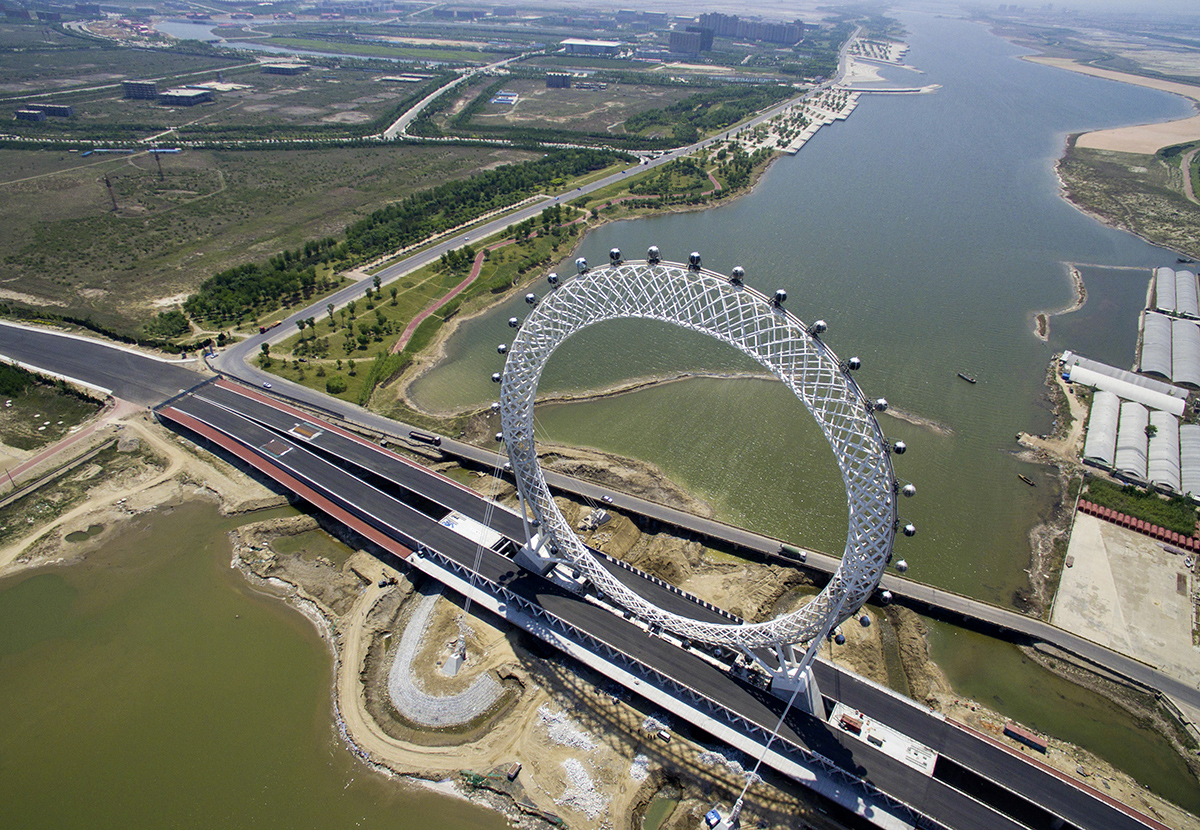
<point x="151" y="687"/>
<point x="927" y="230"/>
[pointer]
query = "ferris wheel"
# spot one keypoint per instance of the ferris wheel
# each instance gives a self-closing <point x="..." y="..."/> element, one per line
<point x="725" y="308"/>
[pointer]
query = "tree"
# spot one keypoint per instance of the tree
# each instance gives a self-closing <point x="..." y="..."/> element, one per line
<point x="393" y="291"/>
<point x="329" y="308"/>
<point x="376" y="281"/>
<point x="336" y="385"/>
<point x="300" y="324"/>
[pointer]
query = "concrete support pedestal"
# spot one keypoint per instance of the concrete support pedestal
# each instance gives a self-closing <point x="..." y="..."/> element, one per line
<point x="808" y="698"/>
<point x="532" y="557"/>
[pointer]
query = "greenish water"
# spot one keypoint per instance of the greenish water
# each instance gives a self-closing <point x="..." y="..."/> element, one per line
<point x="151" y="687"/>
<point x="84" y="535"/>
<point x="998" y="675"/>
<point x="660" y="810"/>
<point x="927" y="230"/>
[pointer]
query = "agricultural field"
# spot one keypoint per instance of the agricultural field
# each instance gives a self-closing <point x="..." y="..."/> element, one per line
<point x="63" y="248"/>
<point x="586" y="110"/>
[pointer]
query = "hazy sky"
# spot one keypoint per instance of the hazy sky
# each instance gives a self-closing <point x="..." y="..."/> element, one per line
<point x="807" y="8"/>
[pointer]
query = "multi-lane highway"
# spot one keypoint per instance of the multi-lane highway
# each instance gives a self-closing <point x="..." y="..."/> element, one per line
<point x="141" y="379"/>
<point x="975" y="783"/>
<point x="402" y="501"/>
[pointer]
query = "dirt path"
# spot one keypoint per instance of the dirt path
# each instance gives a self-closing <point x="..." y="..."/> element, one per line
<point x="354" y="635"/>
<point x="1185" y="167"/>
<point x="1068" y="447"/>
<point x="458" y="289"/>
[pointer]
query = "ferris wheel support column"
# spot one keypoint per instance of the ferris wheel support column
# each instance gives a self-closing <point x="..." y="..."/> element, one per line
<point x="792" y="673"/>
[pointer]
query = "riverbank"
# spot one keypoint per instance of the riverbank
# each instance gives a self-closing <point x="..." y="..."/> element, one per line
<point x="1145" y="139"/>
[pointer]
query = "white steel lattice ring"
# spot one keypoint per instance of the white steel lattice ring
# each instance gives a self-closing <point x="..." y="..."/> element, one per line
<point x="711" y="304"/>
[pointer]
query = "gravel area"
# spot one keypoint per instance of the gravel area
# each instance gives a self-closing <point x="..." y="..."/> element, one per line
<point x="563" y="731"/>
<point x="639" y="770"/>
<point x="581" y="793"/>
<point x="417" y="705"/>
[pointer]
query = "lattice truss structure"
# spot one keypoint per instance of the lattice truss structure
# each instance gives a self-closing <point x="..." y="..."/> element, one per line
<point x="714" y="305"/>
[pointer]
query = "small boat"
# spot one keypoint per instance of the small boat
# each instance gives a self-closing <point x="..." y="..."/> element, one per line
<point x="966" y="377"/>
<point x="1026" y="479"/>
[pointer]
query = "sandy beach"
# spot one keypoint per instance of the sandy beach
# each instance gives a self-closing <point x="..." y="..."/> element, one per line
<point x="1142" y="138"/>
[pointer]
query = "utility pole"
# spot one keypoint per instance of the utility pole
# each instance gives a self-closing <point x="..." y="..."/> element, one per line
<point x="111" y="195"/>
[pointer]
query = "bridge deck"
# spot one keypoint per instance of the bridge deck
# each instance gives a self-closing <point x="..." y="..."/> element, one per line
<point x="335" y="469"/>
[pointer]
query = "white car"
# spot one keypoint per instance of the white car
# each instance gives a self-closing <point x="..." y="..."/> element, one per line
<point x="267" y="385"/>
<point x="606" y="499"/>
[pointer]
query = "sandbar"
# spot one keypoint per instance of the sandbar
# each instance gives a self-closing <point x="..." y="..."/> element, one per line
<point x="1146" y="139"/>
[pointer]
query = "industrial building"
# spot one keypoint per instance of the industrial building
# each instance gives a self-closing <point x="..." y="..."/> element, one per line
<point x="1132" y="443"/>
<point x="1170" y="333"/>
<point x="685" y="43"/>
<point x="54" y="110"/>
<point x="185" y="97"/>
<point x="30" y="115"/>
<point x="140" y="90"/>
<point x="1175" y="293"/>
<point x="558" y="80"/>
<point x="285" y="68"/>
<point x="592" y="48"/>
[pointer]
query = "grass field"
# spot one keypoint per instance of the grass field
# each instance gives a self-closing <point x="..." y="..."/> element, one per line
<point x="1142" y="194"/>
<point x="588" y="110"/>
<point x="333" y="101"/>
<point x="41" y="59"/>
<point x="455" y="57"/>
<point x="64" y="248"/>
<point x="40" y="415"/>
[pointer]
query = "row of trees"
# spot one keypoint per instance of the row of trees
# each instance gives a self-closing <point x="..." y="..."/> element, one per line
<point x="709" y="111"/>
<point x="448" y="205"/>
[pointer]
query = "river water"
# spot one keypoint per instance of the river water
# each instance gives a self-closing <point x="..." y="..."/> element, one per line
<point x="150" y="686"/>
<point x="927" y="230"/>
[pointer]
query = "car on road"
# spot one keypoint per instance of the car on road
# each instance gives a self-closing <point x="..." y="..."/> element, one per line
<point x="606" y="499"/>
<point x="266" y="384"/>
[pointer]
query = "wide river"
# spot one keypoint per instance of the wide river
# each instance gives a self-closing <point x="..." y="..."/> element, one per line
<point x="927" y="230"/>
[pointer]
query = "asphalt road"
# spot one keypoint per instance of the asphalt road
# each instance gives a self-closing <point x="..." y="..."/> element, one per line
<point x="297" y="456"/>
<point x="136" y="377"/>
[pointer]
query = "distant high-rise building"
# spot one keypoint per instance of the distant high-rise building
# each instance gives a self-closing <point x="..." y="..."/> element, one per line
<point x="685" y="43"/>
<point x="558" y="80"/>
<point x="730" y="25"/>
<point x="706" y="37"/>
